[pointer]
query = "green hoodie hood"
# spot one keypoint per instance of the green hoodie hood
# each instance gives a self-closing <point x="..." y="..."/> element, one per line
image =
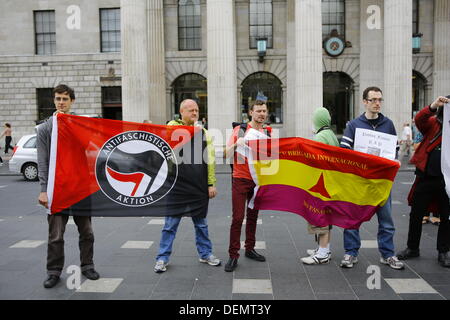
<point x="321" y="118"/>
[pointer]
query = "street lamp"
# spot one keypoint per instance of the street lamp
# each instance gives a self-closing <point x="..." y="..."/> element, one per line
<point x="416" y="39"/>
<point x="261" y="44"/>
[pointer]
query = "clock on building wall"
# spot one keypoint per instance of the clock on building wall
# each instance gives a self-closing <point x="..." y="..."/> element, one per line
<point x="334" y="46"/>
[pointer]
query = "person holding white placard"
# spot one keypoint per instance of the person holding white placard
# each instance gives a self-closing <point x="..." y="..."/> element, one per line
<point x="243" y="186"/>
<point x="372" y="120"/>
<point x="429" y="185"/>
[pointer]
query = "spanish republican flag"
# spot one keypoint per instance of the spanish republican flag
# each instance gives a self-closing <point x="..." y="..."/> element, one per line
<point x="101" y="167"/>
<point x="326" y="185"/>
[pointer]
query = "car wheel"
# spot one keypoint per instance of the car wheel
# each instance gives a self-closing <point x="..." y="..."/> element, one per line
<point x="30" y="172"/>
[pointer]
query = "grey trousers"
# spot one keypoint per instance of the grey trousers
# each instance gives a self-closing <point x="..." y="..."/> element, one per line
<point x="55" y="250"/>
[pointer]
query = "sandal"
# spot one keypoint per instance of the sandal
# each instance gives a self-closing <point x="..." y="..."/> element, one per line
<point x="425" y="220"/>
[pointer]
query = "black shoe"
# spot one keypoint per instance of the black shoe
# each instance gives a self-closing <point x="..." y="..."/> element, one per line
<point x="51" y="281"/>
<point x="91" y="274"/>
<point x="444" y="259"/>
<point x="252" y="254"/>
<point x="231" y="265"/>
<point x="408" y="253"/>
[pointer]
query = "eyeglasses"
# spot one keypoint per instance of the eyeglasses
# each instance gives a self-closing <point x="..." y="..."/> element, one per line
<point x="61" y="99"/>
<point x="375" y="100"/>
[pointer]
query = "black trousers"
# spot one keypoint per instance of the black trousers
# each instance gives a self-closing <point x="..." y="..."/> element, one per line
<point x="426" y="189"/>
<point x="55" y="250"/>
<point x="8" y="146"/>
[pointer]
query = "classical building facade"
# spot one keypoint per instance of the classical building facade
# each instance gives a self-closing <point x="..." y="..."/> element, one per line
<point x="138" y="59"/>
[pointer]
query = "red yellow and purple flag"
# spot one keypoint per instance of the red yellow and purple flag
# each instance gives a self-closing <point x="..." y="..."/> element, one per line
<point x="326" y="185"/>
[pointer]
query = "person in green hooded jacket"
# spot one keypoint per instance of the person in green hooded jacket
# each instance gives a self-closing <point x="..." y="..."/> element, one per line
<point x="322" y="123"/>
<point x="324" y="134"/>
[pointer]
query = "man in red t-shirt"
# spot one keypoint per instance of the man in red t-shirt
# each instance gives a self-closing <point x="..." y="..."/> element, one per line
<point x="242" y="189"/>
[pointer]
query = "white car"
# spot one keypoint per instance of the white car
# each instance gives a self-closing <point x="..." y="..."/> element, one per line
<point x="24" y="158"/>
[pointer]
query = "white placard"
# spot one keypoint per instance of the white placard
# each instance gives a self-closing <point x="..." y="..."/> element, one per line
<point x="376" y="143"/>
<point x="251" y="134"/>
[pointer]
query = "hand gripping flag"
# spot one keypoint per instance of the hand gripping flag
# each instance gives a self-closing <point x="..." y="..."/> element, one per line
<point x="101" y="167"/>
<point x="326" y="185"/>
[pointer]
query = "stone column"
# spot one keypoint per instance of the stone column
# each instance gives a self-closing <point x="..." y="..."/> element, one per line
<point x="157" y="67"/>
<point x="135" y="71"/>
<point x="397" y="90"/>
<point x="308" y="64"/>
<point x="284" y="129"/>
<point x="169" y="112"/>
<point x="441" y="49"/>
<point x="429" y="94"/>
<point x="352" y="16"/>
<point x="371" y="63"/>
<point x="290" y="101"/>
<point x="221" y="60"/>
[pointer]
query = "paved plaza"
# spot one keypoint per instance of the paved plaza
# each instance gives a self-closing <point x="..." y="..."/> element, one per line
<point x="125" y="250"/>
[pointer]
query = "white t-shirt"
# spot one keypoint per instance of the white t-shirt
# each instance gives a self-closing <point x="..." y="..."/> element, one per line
<point x="407" y="131"/>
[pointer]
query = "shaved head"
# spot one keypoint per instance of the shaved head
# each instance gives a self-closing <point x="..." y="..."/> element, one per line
<point x="189" y="111"/>
<point x="187" y="103"/>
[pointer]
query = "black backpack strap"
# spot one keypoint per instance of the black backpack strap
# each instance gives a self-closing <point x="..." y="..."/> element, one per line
<point x="323" y="128"/>
<point x="242" y="130"/>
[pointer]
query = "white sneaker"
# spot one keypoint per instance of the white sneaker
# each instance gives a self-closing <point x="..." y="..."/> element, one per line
<point x="211" y="260"/>
<point x="393" y="262"/>
<point x="160" y="266"/>
<point x="348" y="261"/>
<point x="315" y="259"/>
<point x="311" y="252"/>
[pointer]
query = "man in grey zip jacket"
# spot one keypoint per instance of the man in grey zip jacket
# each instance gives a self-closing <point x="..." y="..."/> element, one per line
<point x="64" y="96"/>
<point x="372" y="119"/>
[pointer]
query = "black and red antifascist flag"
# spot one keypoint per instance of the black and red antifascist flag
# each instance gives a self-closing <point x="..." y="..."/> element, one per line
<point x="101" y="167"/>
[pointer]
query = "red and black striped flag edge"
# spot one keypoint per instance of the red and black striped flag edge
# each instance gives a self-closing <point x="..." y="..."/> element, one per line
<point x="101" y="167"/>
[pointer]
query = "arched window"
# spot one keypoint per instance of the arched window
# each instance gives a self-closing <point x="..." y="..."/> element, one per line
<point x="418" y="99"/>
<point x="270" y="86"/>
<point x="190" y="86"/>
<point x="338" y="98"/>
<point x="189" y="25"/>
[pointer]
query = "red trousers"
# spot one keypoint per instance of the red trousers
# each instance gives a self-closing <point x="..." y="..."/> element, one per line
<point x="242" y="191"/>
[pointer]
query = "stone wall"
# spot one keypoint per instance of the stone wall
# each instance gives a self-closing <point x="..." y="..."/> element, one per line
<point x="20" y="77"/>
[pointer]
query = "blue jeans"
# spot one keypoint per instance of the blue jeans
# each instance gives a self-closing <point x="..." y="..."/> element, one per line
<point x="204" y="246"/>
<point x="385" y="237"/>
